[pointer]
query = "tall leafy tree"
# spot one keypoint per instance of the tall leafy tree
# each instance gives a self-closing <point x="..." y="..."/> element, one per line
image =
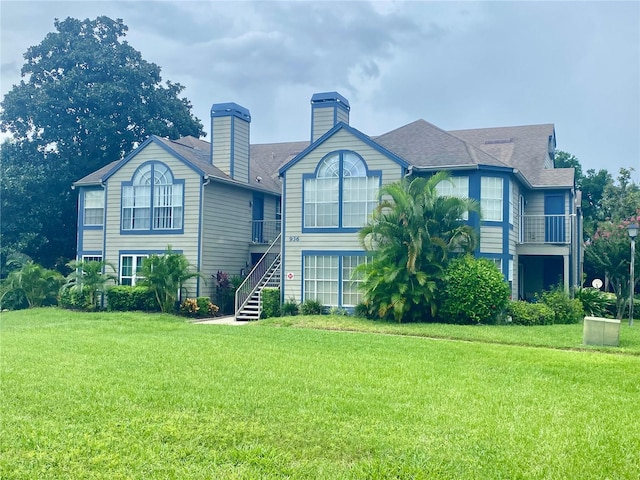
<point x="620" y="200"/>
<point x="412" y="233"/>
<point x="608" y="252"/>
<point x="593" y="187"/>
<point x="563" y="159"/>
<point x="592" y="184"/>
<point x="86" y="98"/>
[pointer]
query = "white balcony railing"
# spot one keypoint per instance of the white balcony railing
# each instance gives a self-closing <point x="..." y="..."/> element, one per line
<point x="546" y="229"/>
<point x="264" y="231"/>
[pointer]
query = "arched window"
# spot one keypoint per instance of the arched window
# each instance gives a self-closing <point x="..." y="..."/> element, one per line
<point x="341" y="194"/>
<point x="153" y="200"/>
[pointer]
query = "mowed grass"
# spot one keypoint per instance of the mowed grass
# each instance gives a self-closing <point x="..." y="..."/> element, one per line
<point x="151" y="396"/>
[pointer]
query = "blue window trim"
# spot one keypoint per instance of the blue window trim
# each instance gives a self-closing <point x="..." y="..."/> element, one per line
<point x="80" y="227"/>
<point x="330" y="253"/>
<point x="151" y="230"/>
<point x="308" y="176"/>
<point x="89" y="253"/>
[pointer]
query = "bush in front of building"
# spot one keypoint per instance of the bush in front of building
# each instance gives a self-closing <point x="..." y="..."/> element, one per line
<point x="472" y="291"/>
<point x="566" y="309"/>
<point x="311" y="307"/>
<point x="270" y="302"/>
<point x="525" y="313"/>
<point x="124" y="298"/>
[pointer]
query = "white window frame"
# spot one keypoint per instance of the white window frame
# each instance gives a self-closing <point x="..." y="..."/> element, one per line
<point x="351" y="294"/>
<point x="343" y="194"/>
<point x="491" y="198"/>
<point x="511" y="205"/>
<point x="153" y="201"/>
<point x="321" y="202"/>
<point x="167" y="199"/>
<point x="135" y="277"/>
<point x="91" y="258"/>
<point x="93" y="204"/>
<point x="457" y="186"/>
<point x="321" y="278"/>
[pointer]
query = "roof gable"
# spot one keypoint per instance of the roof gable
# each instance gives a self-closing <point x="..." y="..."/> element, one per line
<point x="356" y="133"/>
<point x="151" y="140"/>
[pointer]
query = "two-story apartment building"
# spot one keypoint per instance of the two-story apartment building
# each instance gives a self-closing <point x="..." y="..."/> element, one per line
<point x="223" y="203"/>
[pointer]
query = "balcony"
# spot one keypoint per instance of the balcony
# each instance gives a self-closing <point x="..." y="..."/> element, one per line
<point x="546" y="229"/>
<point x="263" y="232"/>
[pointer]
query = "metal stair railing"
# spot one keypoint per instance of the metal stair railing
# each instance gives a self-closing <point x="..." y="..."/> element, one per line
<point x="262" y="268"/>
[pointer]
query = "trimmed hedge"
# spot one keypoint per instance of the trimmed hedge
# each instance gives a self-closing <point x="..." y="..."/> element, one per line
<point x="74" y="299"/>
<point x="125" y="298"/>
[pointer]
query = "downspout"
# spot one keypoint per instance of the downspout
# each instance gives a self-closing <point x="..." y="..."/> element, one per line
<point x="206" y="180"/>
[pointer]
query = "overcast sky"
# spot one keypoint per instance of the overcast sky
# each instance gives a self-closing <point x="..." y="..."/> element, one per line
<point x="457" y="65"/>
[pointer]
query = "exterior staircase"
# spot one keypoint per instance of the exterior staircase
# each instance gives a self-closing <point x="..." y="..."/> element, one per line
<point x="266" y="273"/>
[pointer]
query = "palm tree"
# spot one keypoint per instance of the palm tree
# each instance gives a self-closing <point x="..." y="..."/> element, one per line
<point x="165" y="275"/>
<point x="29" y="282"/>
<point x="90" y="279"/>
<point x="412" y="233"/>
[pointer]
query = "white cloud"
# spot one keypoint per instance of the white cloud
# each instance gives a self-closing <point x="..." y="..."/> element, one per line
<point x="455" y="64"/>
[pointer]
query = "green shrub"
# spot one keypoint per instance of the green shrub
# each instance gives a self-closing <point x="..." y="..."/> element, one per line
<point x="338" y="311"/>
<point x="30" y="283"/>
<point x="127" y="298"/>
<point x="270" y="302"/>
<point x="566" y="310"/>
<point x="473" y="291"/>
<point x="595" y="302"/>
<point x="525" y="313"/>
<point x="206" y="308"/>
<point x="362" y="310"/>
<point x="12" y="299"/>
<point x="75" y="299"/>
<point x="311" y="307"/>
<point x="290" y="307"/>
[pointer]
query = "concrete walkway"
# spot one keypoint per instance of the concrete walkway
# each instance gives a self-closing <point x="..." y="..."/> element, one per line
<point x="228" y="320"/>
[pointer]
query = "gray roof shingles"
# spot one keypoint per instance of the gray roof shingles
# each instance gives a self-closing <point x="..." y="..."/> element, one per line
<point x="421" y="144"/>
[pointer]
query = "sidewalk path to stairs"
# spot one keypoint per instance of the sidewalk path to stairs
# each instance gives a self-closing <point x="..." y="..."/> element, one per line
<point x="228" y="320"/>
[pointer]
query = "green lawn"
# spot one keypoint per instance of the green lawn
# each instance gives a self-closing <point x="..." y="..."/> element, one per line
<point x="137" y="395"/>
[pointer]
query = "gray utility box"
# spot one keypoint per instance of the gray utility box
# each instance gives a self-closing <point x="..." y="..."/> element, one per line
<point x="601" y="331"/>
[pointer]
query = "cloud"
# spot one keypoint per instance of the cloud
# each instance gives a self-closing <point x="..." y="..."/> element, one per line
<point x="456" y="64"/>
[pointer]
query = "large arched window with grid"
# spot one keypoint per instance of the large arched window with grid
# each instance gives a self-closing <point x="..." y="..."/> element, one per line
<point x="342" y="193"/>
<point x="153" y="200"/>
